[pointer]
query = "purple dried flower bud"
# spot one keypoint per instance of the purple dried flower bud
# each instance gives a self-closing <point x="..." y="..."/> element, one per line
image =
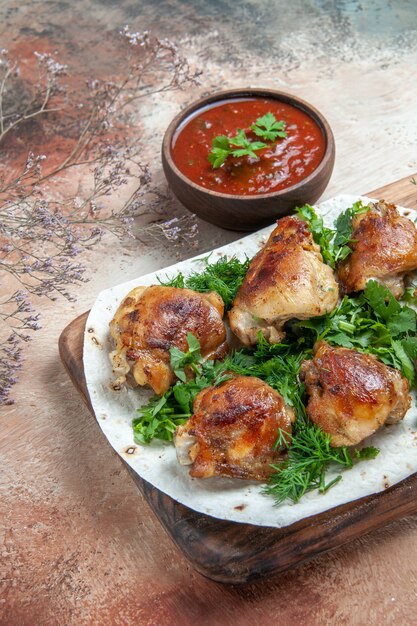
<point x="72" y="250"/>
<point x="19" y="296"/>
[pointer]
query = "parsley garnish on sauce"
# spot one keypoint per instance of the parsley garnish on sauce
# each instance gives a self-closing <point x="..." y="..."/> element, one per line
<point x="267" y="127"/>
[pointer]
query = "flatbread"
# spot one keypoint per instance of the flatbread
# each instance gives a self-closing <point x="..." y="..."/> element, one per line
<point x="224" y="498"/>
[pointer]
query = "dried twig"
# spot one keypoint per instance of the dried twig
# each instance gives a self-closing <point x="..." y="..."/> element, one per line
<point x="41" y="235"/>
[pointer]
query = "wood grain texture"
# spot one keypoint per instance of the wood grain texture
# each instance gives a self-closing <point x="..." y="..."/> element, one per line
<point x="247" y="213"/>
<point x="235" y="553"/>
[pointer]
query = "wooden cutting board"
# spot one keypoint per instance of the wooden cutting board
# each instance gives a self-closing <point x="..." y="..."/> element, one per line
<point x="231" y="552"/>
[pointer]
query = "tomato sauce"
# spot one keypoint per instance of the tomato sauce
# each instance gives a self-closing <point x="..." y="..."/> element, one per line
<point x="281" y="164"/>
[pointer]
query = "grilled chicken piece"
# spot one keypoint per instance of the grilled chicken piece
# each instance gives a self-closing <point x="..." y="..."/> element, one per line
<point x="233" y="430"/>
<point x="286" y="279"/>
<point x="352" y="394"/>
<point x="152" y="319"/>
<point x="384" y="248"/>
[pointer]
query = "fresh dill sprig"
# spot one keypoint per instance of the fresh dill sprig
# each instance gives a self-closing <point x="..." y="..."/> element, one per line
<point x="309" y="457"/>
<point x="224" y="276"/>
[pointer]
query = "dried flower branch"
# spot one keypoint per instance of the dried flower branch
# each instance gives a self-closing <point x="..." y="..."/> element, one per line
<point x="42" y="232"/>
<point x="10" y="364"/>
<point x="14" y="114"/>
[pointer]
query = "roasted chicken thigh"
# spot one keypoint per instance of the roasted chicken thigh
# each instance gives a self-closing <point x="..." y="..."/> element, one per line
<point x="152" y="319"/>
<point x="286" y="279"/>
<point x="352" y="394"/>
<point x="233" y="430"/>
<point x="384" y="247"/>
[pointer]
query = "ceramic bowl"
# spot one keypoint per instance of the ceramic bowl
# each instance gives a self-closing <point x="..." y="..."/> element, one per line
<point x="247" y="212"/>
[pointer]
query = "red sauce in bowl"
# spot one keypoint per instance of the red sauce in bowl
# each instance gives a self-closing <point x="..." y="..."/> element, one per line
<point x="283" y="163"/>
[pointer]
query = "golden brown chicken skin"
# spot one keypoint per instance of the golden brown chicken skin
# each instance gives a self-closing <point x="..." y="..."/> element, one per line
<point x="352" y="394"/>
<point x="384" y="248"/>
<point x="286" y="279"/>
<point x="233" y="430"/>
<point x="150" y="320"/>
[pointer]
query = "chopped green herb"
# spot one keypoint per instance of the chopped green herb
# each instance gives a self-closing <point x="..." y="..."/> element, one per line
<point x="266" y="127"/>
<point x="220" y="150"/>
<point x="159" y="418"/>
<point x="309" y="453"/>
<point x="322" y="235"/>
<point x="180" y="360"/>
<point x="237" y="146"/>
<point x="245" y="147"/>
<point x="410" y="294"/>
<point x="269" y="128"/>
<point x="370" y="452"/>
<point x="334" y="243"/>
<point x="374" y="323"/>
<point x="223" y="276"/>
<point x="344" y="230"/>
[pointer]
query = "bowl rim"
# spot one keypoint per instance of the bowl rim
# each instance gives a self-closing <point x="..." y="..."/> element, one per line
<point x="229" y="94"/>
